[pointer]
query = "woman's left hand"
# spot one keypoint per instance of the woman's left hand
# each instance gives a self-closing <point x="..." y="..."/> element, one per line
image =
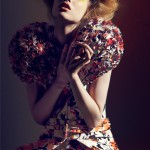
<point x="79" y="55"/>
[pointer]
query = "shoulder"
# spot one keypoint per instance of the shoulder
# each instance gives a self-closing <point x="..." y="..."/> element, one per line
<point x="105" y="39"/>
<point x="101" y="26"/>
<point x="37" y="25"/>
<point x="29" y="37"/>
<point x="26" y="49"/>
<point x="32" y="29"/>
<point x="101" y="35"/>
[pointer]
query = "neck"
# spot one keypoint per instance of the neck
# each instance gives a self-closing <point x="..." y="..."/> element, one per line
<point x="64" y="33"/>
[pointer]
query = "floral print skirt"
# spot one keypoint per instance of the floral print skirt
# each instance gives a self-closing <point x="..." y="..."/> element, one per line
<point x="75" y="138"/>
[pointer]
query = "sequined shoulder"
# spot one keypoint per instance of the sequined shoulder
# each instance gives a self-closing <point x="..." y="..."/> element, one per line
<point x="31" y="51"/>
<point x="105" y="39"/>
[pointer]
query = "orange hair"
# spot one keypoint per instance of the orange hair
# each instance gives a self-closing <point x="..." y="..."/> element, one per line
<point x="102" y="8"/>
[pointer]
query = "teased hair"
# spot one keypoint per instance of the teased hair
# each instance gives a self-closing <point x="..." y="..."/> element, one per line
<point x="102" y="8"/>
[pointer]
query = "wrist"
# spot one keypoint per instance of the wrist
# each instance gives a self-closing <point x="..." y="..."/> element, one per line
<point x="59" y="84"/>
<point x="73" y="76"/>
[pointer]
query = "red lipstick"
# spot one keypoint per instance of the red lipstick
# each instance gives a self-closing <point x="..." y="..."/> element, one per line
<point x="64" y="6"/>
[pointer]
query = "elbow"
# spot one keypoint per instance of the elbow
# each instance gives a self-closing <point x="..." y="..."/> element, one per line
<point x="36" y="117"/>
<point x="93" y="123"/>
<point x="38" y="120"/>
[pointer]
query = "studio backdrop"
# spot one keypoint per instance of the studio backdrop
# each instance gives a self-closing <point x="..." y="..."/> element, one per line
<point x="128" y="99"/>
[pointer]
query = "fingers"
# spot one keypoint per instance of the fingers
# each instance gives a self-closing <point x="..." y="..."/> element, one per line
<point x="73" y="54"/>
<point x="85" y="46"/>
<point x="79" y="62"/>
<point x="86" y="58"/>
<point x="81" y="54"/>
<point x="77" y="65"/>
<point x="63" y="54"/>
<point x="87" y="54"/>
<point x="80" y="48"/>
<point x="78" y="55"/>
<point x="70" y="52"/>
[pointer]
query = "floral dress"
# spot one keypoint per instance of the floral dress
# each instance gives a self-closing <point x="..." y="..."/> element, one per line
<point x="34" y="55"/>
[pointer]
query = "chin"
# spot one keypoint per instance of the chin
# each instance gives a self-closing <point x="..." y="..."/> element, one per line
<point x="64" y="17"/>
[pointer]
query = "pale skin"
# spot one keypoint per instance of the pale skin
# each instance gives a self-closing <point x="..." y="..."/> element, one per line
<point x="90" y="101"/>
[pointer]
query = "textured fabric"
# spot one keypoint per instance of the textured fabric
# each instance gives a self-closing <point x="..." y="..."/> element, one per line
<point x="105" y="39"/>
<point x="34" y="56"/>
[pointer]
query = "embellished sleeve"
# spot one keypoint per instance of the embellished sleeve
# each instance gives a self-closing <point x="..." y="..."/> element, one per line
<point x="28" y="49"/>
<point x="106" y="41"/>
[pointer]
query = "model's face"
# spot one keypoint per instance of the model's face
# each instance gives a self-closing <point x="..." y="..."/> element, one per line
<point x="70" y="10"/>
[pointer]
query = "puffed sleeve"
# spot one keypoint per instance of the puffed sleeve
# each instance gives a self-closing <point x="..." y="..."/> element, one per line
<point x="106" y="41"/>
<point x="28" y="51"/>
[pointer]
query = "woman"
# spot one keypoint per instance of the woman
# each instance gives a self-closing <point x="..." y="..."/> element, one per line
<point x="67" y="69"/>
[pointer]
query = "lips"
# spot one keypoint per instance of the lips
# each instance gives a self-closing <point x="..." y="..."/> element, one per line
<point x="64" y="5"/>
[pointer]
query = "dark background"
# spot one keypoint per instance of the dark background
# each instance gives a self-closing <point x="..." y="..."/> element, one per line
<point x="128" y="100"/>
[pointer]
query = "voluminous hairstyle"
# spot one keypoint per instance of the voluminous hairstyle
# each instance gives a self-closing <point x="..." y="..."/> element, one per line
<point x="98" y="8"/>
<point x="102" y="8"/>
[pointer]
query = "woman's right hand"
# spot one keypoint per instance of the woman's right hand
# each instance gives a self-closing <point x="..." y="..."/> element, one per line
<point x="62" y="77"/>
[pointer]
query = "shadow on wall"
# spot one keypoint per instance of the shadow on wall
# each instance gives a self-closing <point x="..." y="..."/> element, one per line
<point x="18" y="126"/>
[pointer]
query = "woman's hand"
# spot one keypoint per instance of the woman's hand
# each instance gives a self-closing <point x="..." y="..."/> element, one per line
<point x="72" y="60"/>
<point x="79" y="55"/>
<point x="62" y="77"/>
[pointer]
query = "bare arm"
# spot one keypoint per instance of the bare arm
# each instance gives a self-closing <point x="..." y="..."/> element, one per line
<point x="42" y="108"/>
<point x="91" y="101"/>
